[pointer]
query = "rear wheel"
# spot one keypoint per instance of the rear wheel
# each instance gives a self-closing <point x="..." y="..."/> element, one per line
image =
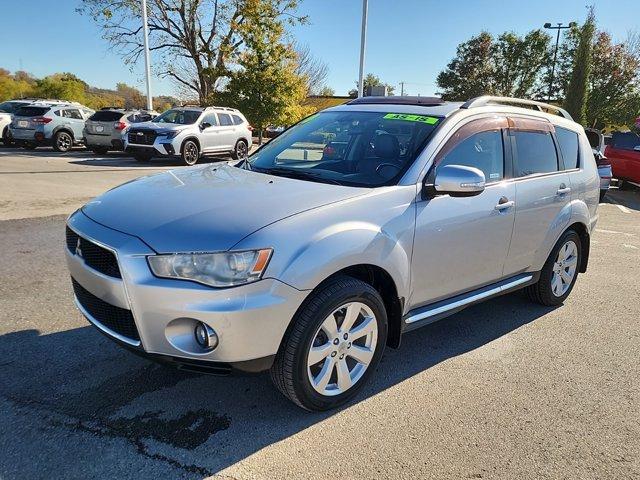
<point x="190" y="152"/>
<point x="6" y="137"/>
<point x="333" y="345"/>
<point x="62" y="141"/>
<point x="100" y="150"/>
<point x="241" y="150"/>
<point x="560" y="271"/>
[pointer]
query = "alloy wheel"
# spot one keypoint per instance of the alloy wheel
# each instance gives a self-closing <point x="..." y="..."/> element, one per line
<point x="191" y="153"/>
<point x="564" y="268"/>
<point x="342" y="349"/>
<point x="63" y="141"/>
<point x="241" y="150"/>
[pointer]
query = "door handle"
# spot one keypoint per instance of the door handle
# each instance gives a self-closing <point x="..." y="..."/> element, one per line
<point x="563" y="189"/>
<point x="504" y="203"/>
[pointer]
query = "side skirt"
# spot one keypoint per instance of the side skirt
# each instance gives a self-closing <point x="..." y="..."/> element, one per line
<point x="422" y="316"/>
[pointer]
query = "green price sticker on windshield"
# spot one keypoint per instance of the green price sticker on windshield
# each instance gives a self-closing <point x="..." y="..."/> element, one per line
<point x="411" y="118"/>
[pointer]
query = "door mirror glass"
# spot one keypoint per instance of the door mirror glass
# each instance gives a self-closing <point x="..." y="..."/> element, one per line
<point x="459" y="181"/>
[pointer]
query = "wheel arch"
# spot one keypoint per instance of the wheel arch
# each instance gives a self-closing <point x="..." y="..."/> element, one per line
<point x="192" y="138"/>
<point x="63" y="128"/>
<point x="585" y="243"/>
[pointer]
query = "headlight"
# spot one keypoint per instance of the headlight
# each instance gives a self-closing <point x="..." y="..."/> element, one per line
<point x="171" y="134"/>
<point x="214" y="269"/>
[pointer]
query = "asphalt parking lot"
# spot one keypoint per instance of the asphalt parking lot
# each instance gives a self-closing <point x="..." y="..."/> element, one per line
<point x="506" y="389"/>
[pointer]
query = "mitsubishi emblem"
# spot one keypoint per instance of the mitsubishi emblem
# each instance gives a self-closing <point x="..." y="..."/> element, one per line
<point x="78" y="249"/>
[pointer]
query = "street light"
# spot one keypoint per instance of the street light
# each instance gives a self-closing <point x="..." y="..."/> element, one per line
<point x="363" y="46"/>
<point x="560" y="26"/>
<point x="147" y="63"/>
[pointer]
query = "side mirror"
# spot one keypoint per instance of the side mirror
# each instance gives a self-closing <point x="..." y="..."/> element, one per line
<point x="459" y="181"/>
<point x="637" y="148"/>
<point x="204" y="125"/>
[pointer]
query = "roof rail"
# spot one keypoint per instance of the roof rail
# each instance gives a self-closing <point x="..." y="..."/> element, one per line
<point x="489" y="99"/>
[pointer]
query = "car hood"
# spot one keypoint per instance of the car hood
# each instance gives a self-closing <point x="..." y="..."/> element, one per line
<point x="159" y="126"/>
<point x="209" y="208"/>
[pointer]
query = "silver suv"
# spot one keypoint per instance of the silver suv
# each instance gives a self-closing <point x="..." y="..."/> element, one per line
<point x="56" y="123"/>
<point x="358" y="224"/>
<point x="191" y="132"/>
<point x="104" y="130"/>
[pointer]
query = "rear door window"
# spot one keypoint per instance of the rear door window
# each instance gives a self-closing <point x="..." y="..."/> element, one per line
<point x="535" y="153"/>
<point x="225" y="119"/>
<point x="568" y="142"/>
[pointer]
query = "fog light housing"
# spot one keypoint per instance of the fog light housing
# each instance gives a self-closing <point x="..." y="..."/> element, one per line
<point x="206" y="336"/>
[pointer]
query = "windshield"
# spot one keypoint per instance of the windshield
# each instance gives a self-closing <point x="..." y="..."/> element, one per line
<point x="366" y="149"/>
<point x="179" y="117"/>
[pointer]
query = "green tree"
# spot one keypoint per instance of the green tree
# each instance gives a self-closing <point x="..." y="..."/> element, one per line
<point x="327" y="92"/>
<point x="614" y="84"/>
<point x="18" y="85"/>
<point x="63" y="86"/>
<point x="371" y="80"/>
<point x="198" y="41"/>
<point x="576" y="99"/>
<point x="266" y="87"/>
<point x="133" y="98"/>
<point x="469" y="74"/>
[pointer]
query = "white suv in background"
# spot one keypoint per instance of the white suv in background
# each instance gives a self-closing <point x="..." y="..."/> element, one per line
<point x="190" y="132"/>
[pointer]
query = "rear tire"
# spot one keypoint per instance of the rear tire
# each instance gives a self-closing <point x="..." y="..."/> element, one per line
<point x="559" y="273"/>
<point x="6" y="137"/>
<point x="241" y="150"/>
<point x="293" y="370"/>
<point x="62" y="141"/>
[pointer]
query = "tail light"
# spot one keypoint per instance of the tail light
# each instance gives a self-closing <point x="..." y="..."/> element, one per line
<point x="41" y="120"/>
<point x="119" y="125"/>
<point x="250" y="128"/>
<point x="603" y="162"/>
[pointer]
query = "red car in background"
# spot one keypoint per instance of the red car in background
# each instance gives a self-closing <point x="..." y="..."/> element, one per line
<point x="624" y="154"/>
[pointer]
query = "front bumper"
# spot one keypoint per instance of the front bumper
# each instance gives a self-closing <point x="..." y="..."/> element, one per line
<point x="161" y="146"/>
<point x="250" y="320"/>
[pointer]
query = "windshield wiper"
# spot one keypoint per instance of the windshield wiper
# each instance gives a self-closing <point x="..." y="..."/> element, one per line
<point x="299" y="174"/>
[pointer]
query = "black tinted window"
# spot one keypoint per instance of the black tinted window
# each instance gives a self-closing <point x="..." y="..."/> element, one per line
<point x="536" y="153"/>
<point x="225" y="119"/>
<point x="31" y="111"/>
<point x="106" y="116"/>
<point x="10" y="107"/>
<point x="482" y="150"/>
<point x="236" y="120"/>
<point x="568" y="141"/>
<point x="626" y="140"/>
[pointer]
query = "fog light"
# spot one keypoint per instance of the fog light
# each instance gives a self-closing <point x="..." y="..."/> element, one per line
<point x="206" y="336"/>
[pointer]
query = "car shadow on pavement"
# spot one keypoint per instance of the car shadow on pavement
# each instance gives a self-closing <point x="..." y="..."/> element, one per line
<point x="92" y="393"/>
<point x="629" y="198"/>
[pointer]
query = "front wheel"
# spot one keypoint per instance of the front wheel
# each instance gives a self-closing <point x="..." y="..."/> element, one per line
<point x="559" y="273"/>
<point x="62" y="141"/>
<point x="190" y="152"/>
<point x="333" y="345"/>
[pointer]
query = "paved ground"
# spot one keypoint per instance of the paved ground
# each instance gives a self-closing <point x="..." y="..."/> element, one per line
<point x="504" y="390"/>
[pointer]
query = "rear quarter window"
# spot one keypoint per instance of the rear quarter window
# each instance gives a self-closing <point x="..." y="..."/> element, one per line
<point x="236" y="119"/>
<point x="535" y="153"/>
<point x="568" y="142"/>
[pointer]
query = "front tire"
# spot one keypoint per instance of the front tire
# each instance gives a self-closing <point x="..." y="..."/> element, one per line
<point x="333" y="345"/>
<point x="62" y="141"/>
<point x="190" y="152"/>
<point x="559" y="273"/>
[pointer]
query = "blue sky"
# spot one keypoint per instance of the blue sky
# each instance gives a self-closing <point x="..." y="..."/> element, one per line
<point x="408" y="40"/>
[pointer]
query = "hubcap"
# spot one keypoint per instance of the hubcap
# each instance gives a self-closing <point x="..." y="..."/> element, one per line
<point x="342" y="349"/>
<point x="564" y="268"/>
<point x="191" y="153"/>
<point x="241" y="150"/>
<point x="64" y="141"/>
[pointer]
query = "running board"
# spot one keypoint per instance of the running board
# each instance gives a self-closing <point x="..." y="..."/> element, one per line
<point x="431" y="313"/>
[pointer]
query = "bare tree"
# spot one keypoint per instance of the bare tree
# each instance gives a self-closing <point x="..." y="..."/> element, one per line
<point x="199" y="40"/>
<point x="313" y="69"/>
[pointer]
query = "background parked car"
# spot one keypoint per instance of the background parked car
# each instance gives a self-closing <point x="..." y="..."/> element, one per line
<point x="597" y="141"/>
<point x="6" y="112"/>
<point x="59" y="124"/>
<point x="624" y="155"/>
<point x="189" y="132"/>
<point x="104" y="130"/>
<point x="272" y="131"/>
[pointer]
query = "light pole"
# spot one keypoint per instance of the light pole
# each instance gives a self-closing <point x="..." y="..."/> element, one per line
<point x="147" y="63"/>
<point x="555" y="51"/>
<point x="363" y="46"/>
